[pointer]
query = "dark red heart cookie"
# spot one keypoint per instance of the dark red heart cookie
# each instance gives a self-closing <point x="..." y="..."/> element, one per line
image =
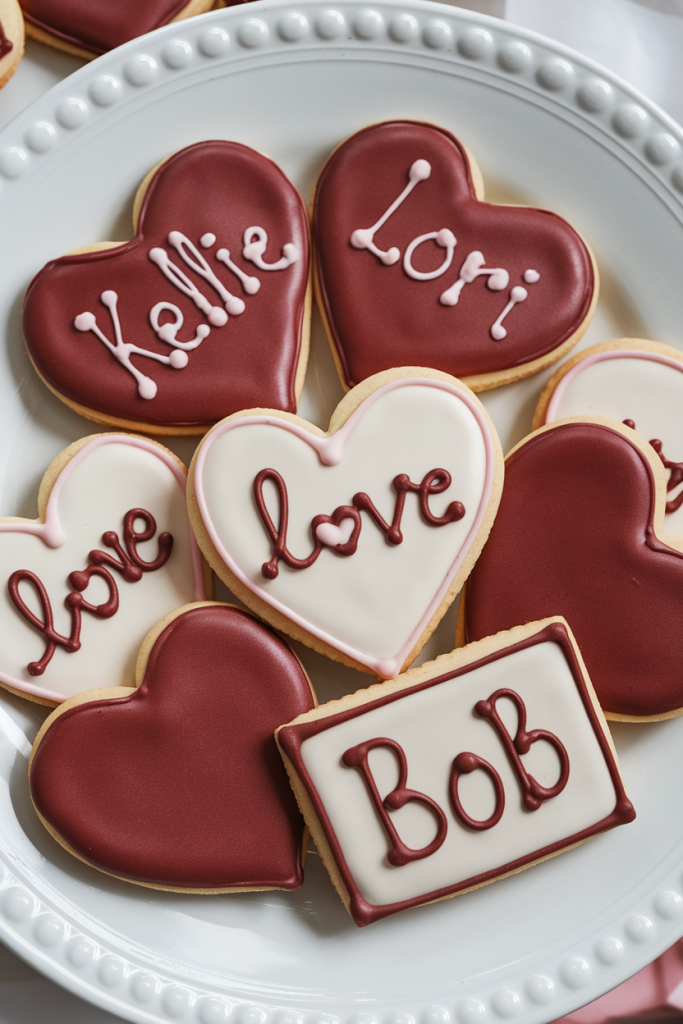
<point x="202" y="314"/>
<point x="413" y="269"/>
<point x="91" y="27"/>
<point x="577" y="535"/>
<point x="179" y="784"/>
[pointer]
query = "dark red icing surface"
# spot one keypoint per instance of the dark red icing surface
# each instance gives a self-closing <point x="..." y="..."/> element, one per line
<point x="381" y="318"/>
<point x="573" y="536"/>
<point x="292" y="737"/>
<point x="212" y="187"/>
<point x="6" y="45"/>
<point x="99" y="25"/>
<point x="181" y="784"/>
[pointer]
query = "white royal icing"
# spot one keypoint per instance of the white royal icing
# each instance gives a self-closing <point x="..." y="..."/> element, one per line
<point x="517" y="294"/>
<point x="646" y="387"/>
<point x="110" y="475"/>
<point x="364" y="238"/>
<point x="472" y="268"/>
<point x="433" y="726"/>
<point x="445" y="239"/>
<point x="375" y="604"/>
<point x="255" y="243"/>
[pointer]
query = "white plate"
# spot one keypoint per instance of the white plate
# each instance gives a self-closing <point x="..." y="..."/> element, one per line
<point x="548" y="127"/>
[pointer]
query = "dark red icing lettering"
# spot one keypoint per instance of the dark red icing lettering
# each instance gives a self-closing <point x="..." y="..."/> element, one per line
<point x="6" y="45"/>
<point x="533" y="793"/>
<point x="399" y="854"/>
<point x="181" y="784"/>
<point x="210" y="189"/>
<point x="129" y="564"/>
<point x="378" y="317"/>
<point x="574" y="536"/>
<point x="464" y="764"/>
<point x="98" y="25"/>
<point x="292" y="737"/>
<point x="435" y="482"/>
<point x="675" y="472"/>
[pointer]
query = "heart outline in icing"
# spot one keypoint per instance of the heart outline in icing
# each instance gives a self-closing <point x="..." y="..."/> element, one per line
<point x="329" y="447"/>
<point x="165" y="688"/>
<point x="625" y="694"/>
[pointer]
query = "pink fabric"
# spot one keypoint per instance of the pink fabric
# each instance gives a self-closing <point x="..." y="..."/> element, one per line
<point x="655" y="993"/>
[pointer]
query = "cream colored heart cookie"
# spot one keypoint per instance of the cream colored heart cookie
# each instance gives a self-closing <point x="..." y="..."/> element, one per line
<point x="110" y="553"/>
<point x="357" y="539"/>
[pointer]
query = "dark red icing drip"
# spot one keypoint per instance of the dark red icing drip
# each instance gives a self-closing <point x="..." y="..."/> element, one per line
<point x="129" y="564"/>
<point x="464" y="764"/>
<point x="6" y="45"/>
<point x="399" y="854"/>
<point x="533" y="794"/>
<point x="573" y="536"/>
<point x="212" y="187"/>
<point x="435" y="482"/>
<point x="181" y="784"/>
<point x="292" y="737"/>
<point x="99" y="25"/>
<point x="380" y="318"/>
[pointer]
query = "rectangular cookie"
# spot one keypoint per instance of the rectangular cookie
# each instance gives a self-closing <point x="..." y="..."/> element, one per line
<point x="473" y="798"/>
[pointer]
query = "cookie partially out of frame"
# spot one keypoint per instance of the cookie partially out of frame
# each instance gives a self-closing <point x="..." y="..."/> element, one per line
<point x="581" y="532"/>
<point x="460" y="772"/>
<point x="413" y="268"/>
<point x="88" y="28"/>
<point x="634" y="381"/>
<point x="11" y="39"/>
<point x="204" y="312"/>
<point x="176" y="783"/>
<point x="355" y="540"/>
<point x="110" y="552"/>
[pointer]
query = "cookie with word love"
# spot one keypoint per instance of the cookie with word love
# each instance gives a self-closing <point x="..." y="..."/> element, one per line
<point x="355" y="540"/>
<point x="205" y="312"/>
<point x="88" y="29"/>
<point x="11" y="39"/>
<point x="581" y="532"/>
<point x="110" y="553"/>
<point x="460" y="772"/>
<point x="175" y="782"/>
<point x="412" y="267"/>
<point x="636" y="382"/>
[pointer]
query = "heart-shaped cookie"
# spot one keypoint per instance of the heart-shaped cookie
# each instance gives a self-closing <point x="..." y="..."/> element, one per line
<point x="578" y="534"/>
<point x="178" y="784"/>
<point x="632" y="381"/>
<point x="413" y="268"/>
<point x="111" y="552"/>
<point x="203" y="313"/>
<point x="90" y="27"/>
<point x="11" y="39"/>
<point x="411" y="458"/>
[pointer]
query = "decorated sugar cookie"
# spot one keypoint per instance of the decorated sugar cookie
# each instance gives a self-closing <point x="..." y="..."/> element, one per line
<point x="354" y="541"/>
<point x="176" y="782"/>
<point x="457" y="773"/>
<point x="11" y="39"/>
<point x="110" y="553"/>
<point x="634" y="381"/>
<point x="205" y="311"/>
<point x="581" y="532"/>
<point x="90" y="27"/>
<point x="413" y="268"/>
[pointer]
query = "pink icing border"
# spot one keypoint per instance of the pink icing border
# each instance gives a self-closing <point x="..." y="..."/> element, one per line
<point x="52" y="533"/>
<point x="599" y="357"/>
<point x="330" y="450"/>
